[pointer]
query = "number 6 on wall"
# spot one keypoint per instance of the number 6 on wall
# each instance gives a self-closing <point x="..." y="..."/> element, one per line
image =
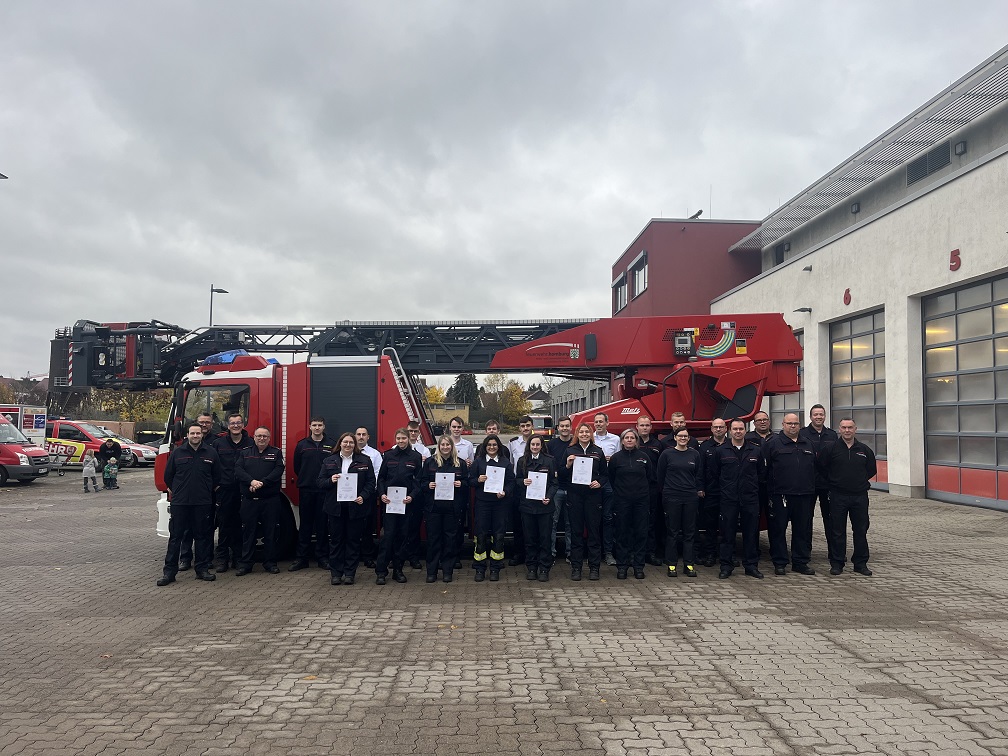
<point x="955" y="262"/>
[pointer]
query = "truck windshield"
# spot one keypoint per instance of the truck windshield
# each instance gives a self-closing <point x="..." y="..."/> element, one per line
<point x="9" y="434"/>
<point x="218" y="402"/>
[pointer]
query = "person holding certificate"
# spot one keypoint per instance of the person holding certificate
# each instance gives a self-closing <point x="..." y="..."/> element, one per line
<point x="536" y="485"/>
<point x="348" y="480"/>
<point x="631" y="472"/>
<point x="445" y="483"/>
<point x="589" y="472"/>
<point x="398" y="488"/>
<point x="492" y="477"/>
<point x="681" y="477"/>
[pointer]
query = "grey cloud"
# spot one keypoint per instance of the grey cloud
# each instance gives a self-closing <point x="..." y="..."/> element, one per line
<point x="414" y="160"/>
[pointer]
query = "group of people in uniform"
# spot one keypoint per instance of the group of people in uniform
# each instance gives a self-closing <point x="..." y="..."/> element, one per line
<point x="626" y="500"/>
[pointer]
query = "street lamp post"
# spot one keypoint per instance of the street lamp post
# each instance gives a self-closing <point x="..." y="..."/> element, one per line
<point x="212" y="292"/>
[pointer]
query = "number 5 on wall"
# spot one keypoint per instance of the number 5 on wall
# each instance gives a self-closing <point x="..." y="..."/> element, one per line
<point x="955" y="261"/>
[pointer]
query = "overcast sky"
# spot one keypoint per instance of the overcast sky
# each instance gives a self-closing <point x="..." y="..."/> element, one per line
<point x="416" y="160"/>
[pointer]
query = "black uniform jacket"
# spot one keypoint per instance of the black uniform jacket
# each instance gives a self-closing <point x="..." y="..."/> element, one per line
<point x="401" y="467"/>
<point x="631" y="474"/>
<point x="557" y="448"/>
<point x="848" y="470"/>
<point x="308" y="456"/>
<point x="600" y="468"/>
<point x="819" y="440"/>
<point x="544" y="464"/>
<point x="736" y="471"/>
<point x="266" y="466"/>
<point x="192" y="475"/>
<point x="228" y="451"/>
<point x="428" y="475"/>
<point x="360" y="463"/>
<point x="789" y="465"/>
<point x="756" y="438"/>
<point x="680" y="473"/>
<point x="711" y="489"/>
<point x="479" y="467"/>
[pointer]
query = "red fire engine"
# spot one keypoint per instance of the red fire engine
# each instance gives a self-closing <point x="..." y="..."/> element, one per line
<point x="704" y="366"/>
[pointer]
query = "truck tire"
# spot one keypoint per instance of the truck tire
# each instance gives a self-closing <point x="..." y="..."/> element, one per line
<point x="3" y="475"/>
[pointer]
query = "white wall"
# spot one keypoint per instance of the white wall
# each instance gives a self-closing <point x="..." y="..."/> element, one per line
<point x="890" y="260"/>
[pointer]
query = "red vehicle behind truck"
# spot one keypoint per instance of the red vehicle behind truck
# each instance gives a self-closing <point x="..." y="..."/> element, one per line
<point x="704" y="366"/>
<point x="20" y="459"/>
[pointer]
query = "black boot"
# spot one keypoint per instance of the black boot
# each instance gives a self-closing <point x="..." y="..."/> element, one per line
<point x="398" y="576"/>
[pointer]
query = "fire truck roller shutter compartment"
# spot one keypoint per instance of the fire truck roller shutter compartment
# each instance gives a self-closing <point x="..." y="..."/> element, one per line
<point x="348" y="397"/>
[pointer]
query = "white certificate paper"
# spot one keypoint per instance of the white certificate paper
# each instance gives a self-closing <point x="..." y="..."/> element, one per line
<point x="397" y="503"/>
<point x="346" y="487"/>
<point x="495" y="480"/>
<point x="444" y="486"/>
<point x="581" y="474"/>
<point x="537" y="488"/>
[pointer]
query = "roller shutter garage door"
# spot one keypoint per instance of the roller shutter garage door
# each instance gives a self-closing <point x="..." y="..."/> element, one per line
<point x="966" y="393"/>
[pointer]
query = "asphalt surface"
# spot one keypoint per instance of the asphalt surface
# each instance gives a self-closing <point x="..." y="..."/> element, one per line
<point x="95" y="659"/>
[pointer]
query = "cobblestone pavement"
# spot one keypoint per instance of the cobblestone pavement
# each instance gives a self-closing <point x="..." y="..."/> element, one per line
<point x="94" y="659"/>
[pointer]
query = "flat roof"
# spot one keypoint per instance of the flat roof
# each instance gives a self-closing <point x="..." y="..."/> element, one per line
<point x="965" y="100"/>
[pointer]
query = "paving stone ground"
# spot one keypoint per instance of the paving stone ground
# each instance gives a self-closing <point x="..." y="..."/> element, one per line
<point x="95" y="659"/>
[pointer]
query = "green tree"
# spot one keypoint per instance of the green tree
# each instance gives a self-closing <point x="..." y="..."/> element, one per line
<point x="465" y="390"/>
<point x="513" y="403"/>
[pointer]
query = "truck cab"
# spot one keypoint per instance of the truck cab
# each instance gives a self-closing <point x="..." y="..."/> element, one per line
<point x="20" y="459"/>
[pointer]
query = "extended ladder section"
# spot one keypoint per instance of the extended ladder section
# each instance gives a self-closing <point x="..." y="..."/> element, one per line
<point x="416" y="407"/>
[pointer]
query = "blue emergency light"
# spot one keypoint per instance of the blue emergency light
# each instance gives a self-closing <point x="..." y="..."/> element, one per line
<point x="225" y="358"/>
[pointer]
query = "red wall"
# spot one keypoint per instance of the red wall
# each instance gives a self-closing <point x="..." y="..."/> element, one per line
<point x="688" y="265"/>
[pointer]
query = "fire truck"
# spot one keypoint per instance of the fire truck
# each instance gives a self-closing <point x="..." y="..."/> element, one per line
<point x="702" y="366"/>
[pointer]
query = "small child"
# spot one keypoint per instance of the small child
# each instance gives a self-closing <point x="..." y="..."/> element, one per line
<point x="90" y="470"/>
<point x="110" y="475"/>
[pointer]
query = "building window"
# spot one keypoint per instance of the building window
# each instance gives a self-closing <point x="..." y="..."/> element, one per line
<point x="639" y="271"/>
<point x="857" y="377"/>
<point x="783" y="404"/>
<point x="966" y="384"/>
<point x="639" y="280"/>
<point x="619" y="287"/>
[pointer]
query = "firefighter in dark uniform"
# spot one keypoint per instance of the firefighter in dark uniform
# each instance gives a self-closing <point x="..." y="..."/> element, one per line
<point x="735" y="465"/>
<point x="709" y="512"/>
<point x="191" y="475"/>
<point x="401" y="468"/>
<point x="631" y="474"/>
<point x="308" y="456"/>
<point x="205" y="421"/>
<point x="443" y="515"/>
<point x="584" y="504"/>
<point x="491" y="508"/>
<point x="760" y="433"/>
<point x="789" y="467"/>
<point x="536" y="514"/>
<point x="820" y="435"/>
<point x="346" y="518"/>
<point x="229" y="527"/>
<point x="849" y="465"/>
<point x="259" y="471"/>
<point x="648" y="442"/>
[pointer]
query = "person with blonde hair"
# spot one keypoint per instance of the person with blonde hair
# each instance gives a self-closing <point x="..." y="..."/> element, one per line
<point x="443" y="515"/>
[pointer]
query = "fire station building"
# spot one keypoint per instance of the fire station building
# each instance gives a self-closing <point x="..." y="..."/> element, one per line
<point x="893" y="270"/>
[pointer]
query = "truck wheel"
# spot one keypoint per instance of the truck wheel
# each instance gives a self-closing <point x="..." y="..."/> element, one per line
<point x="3" y="475"/>
<point x="287" y="534"/>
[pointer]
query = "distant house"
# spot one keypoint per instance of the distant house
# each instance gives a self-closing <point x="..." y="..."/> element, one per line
<point x="538" y="400"/>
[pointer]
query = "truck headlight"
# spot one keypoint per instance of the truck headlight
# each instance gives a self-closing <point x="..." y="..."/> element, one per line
<point x="23" y="459"/>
